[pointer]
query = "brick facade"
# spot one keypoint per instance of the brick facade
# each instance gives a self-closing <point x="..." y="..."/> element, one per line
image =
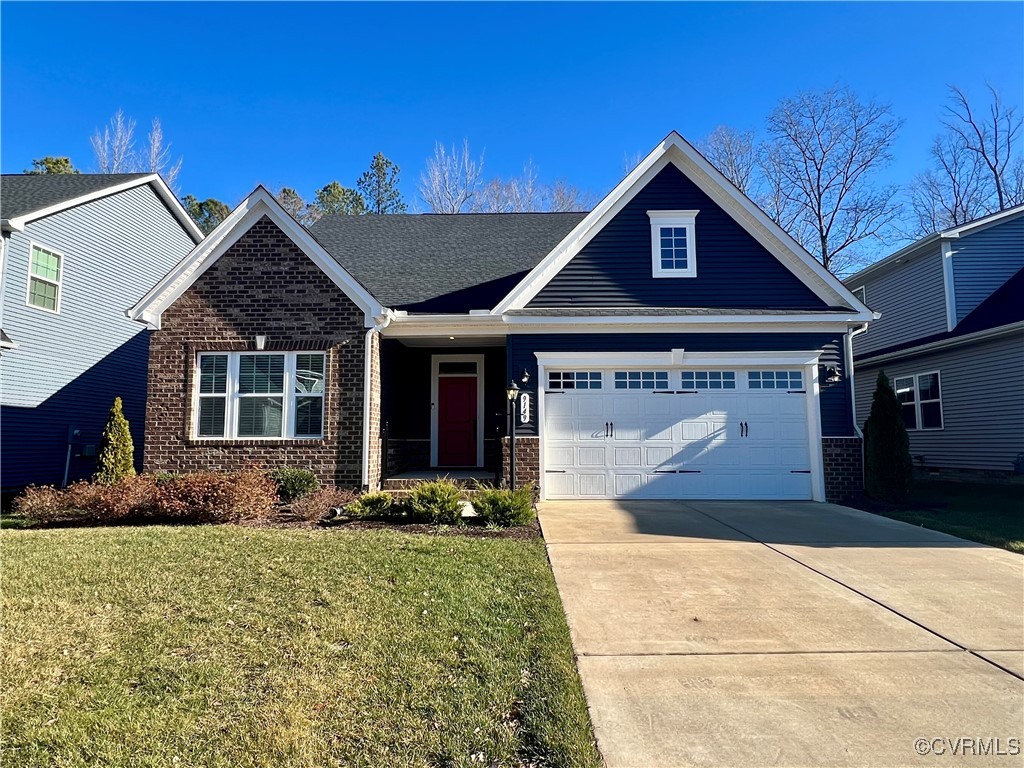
<point x="262" y="285"/>
<point x="843" y="463"/>
<point x="527" y="461"/>
<point x="375" y="453"/>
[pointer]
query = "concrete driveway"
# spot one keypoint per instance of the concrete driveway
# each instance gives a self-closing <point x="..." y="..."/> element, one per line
<point x="794" y="634"/>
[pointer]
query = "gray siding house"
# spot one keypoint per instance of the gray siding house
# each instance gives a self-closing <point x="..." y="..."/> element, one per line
<point x="77" y="251"/>
<point x="951" y="340"/>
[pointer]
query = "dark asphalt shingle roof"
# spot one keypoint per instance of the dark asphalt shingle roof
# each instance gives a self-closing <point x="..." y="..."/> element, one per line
<point x="663" y="311"/>
<point x="436" y="263"/>
<point x="1002" y="307"/>
<point x="25" y="193"/>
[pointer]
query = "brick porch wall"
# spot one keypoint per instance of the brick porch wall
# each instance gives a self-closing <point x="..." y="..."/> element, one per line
<point x="843" y="463"/>
<point x="262" y="285"/>
<point x="527" y="460"/>
<point x="375" y="453"/>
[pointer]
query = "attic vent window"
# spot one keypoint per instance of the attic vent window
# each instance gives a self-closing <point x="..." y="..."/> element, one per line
<point x="673" y="245"/>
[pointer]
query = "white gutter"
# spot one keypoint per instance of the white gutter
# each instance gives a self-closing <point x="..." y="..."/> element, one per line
<point x="381" y="323"/>
<point x="850" y="376"/>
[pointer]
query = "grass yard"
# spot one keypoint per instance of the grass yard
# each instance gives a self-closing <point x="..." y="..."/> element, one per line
<point x="990" y="513"/>
<point x="228" y="646"/>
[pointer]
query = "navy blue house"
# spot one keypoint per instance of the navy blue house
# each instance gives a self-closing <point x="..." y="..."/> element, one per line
<point x="77" y="251"/>
<point x="672" y="343"/>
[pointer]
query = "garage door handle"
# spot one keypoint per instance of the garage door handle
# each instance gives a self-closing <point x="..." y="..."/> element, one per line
<point x="796" y="392"/>
<point x="606" y="429"/>
<point x="799" y="471"/>
<point x="689" y="471"/>
<point x="555" y="471"/>
<point x="612" y="425"/>
<point x="665" y="472"/>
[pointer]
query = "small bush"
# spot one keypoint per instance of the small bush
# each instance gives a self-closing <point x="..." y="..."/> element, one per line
<point x="116" y="459"/>
<point x="293" y="483"/>
<point x="217" y="497"/>
<point x="129" y="499"/>
<point x="500" y="506"/>
<point x="435" y="501"/>
<point x="378" y="504"/>
<point x="318" y="505"/>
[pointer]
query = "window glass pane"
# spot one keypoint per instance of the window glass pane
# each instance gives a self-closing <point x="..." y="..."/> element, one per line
<point x="213" y="374"/>
<point x="909" y="415"/>
<point x="211" y="416"/>
<point x="904" y="390"/>
<point x="45" y="264"/>
<point x="574" y="380"/>
<point x="260" y="374"/>
<point x="928" y="386"/>
<point x="456" y="368"/>
<point x="787" y="380"/>
<point x="42" y="294"/>
<point x="309" y="373"/>
<point x="309" y="416"/>
<point x="259" y="417"/>
<point x="931" y="415"/>
<point x="709" y="379"/>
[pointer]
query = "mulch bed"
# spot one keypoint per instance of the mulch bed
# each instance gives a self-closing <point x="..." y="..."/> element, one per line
<point x="472" y="528"/>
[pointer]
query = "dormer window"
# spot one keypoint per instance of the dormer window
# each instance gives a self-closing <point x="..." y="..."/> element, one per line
<point x="673" y="246"/>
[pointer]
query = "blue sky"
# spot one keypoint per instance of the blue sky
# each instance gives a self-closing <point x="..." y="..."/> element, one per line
<point x="301" y="94"/>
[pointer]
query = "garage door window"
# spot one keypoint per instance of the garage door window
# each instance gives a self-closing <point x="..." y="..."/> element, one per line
<point x="641" y="379"/>
<point x="560" y="380"/>
<point x="775" y="380"/>
<point x="709" y="380"/>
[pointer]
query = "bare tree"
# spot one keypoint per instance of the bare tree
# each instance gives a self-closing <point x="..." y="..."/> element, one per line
<point x="560" y="196"/>
<point x="452" y="179"/>
<point x="953" y="192"/>
<point x="991" y="138"/>
<point x="734" y="153"/>
<point x="159" y="156"/>
<point x="826" y="148"/>
<point x="115" y="146"/>
<point x="631" y="160"/>
<point x="516" y="195"/>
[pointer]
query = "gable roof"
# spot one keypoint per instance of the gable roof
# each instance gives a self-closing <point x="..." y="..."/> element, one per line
<point x="677" y="151"/>
<point x="258" y="204"/>
<point x="442" y="263"/>
<point x="27" y="197"/>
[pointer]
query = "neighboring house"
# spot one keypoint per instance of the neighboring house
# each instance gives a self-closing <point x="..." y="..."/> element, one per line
<point x="951" y="340"/>
<point x="673" y="343"/>
<point x="76" y="250"/>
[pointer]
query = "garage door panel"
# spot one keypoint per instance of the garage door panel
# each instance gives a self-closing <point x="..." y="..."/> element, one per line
<point x="658" y="455"/>
<point x="588" y="405"/>
<point x="628" y="484"/>
<point x="595" y="485"/>
<point x="593" y="456"/>
<point x="627" y="456"/>
<point x="560" y="486"/>
<point x="561" y="456"/>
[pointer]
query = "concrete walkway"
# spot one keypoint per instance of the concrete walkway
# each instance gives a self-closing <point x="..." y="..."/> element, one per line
<point x="792" y="634"/>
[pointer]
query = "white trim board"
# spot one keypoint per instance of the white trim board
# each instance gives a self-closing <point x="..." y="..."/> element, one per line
<point x="435" y="405"/>
<point x="257" y="205"/>
<point x="675" y="150"/>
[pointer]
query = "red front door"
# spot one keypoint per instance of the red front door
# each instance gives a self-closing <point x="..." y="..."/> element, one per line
<point x="456" y="421"/>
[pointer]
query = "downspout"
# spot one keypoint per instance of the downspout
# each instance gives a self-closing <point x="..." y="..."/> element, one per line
<point x="380" y="323"/>
<point x="850" y="375"/>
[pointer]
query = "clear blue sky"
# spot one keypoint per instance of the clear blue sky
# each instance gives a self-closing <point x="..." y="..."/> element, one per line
<point x="299" y="95"/>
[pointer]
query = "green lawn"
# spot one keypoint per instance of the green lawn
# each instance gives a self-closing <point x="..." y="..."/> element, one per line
<point x="991" y="513"/>
<point x="228" y="646"/>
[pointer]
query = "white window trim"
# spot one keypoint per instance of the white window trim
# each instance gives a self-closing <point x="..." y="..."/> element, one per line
<point x="231" y="396"/>
<point x="685" y="219"/>
<point x="861" y="294"/>
<point x="916" y="378"/>
<point x="435" y="406"/>
<point x="59" y="282"/>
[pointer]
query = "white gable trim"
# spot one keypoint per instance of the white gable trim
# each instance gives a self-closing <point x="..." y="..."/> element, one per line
<point x="257" y="205"/>
<point x="159" y="186"/>
<point x="675" y="150"/>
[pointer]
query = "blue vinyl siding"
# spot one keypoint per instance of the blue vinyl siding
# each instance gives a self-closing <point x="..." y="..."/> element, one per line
<point x="733" y="270"/>
<point x="69" y="367"/>
<point x="984" y="260"/>
<point x="835" y="400"/>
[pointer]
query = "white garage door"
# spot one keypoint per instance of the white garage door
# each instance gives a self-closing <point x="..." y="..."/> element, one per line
<point x="677" y="434"/>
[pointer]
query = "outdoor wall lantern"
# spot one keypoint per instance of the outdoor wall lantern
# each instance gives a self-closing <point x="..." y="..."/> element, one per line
<point x="261" y="342"/>
<point x="512" y="393"/>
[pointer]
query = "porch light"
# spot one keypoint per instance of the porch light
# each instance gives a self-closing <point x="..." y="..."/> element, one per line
<point x="512" y="392"/>
<point x="525" y="377"/>
<point x="261" y="342"/>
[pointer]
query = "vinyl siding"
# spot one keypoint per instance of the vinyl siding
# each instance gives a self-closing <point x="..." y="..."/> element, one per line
<point x="70" y="366"/>
<point x="982" y="387"/>
<point x="984" y="260"/>
<point x="733" y="270"/>
<point x="912" y="300"/>
<point x="835" y="402"/>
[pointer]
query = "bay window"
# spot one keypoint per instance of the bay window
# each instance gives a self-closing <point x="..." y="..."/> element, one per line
<point x="260" y="395"/>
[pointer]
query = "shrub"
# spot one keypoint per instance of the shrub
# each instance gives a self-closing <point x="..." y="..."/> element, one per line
<point x="217" y="497"/>
<point x="435" y="501"/>
<point x="130" y="499"/>
<point x="117" y="452"/>
<point x="500" y="506"/>
<point x="887" y="464"/>
<point x="378" y="504"/>
<point x="293" y="483"/>
<point x="318" y="505"/>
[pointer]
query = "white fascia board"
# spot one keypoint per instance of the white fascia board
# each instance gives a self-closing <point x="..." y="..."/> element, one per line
<point x="676" y="150"/>
<point x="259" y="204"/>
<point x="984" y="222"/>
<point x="675" y="358"/>
<point x="690" y="320"/>
<point x="936" y="346"/>
<point x="159" y="186"/>
<point x="403" y="325"/>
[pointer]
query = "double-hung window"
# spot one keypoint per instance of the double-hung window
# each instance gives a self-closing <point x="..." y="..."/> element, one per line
<point x="920" y="399"/>
<point x="260" y="395"/>
<point x="44" y="276"/>
<point x="673" y="245"/>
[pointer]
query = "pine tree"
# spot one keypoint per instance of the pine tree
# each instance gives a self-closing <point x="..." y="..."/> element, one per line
<point x="116" y="459"/>
<point x="888" y="467"/>
<point x="379" y="186"/>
